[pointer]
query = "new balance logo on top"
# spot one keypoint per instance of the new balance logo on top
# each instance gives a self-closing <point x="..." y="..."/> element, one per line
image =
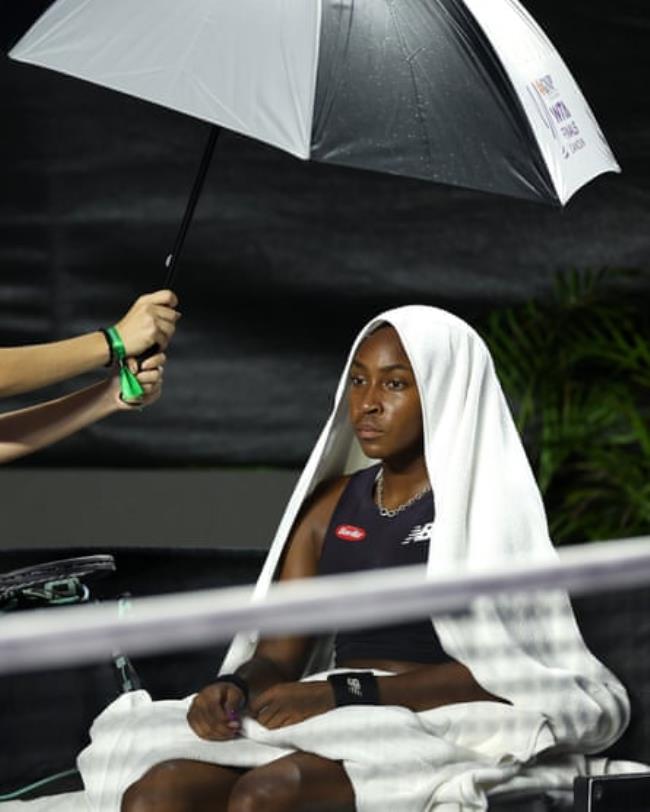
<point x="420" y="532"/>
<point x="354" y="686"/>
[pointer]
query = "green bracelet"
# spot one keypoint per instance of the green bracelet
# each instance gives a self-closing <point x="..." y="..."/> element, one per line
<point x="130" y="386"/>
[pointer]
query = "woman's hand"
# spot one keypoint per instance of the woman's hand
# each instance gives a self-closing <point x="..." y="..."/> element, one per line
<point x="150" y="376"/>
<point x="214" y="712"/>
<point x="150" y="320"/>
<point x="290" y="702"/>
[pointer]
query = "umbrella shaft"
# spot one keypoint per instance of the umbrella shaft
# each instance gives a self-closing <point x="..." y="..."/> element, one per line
<point x="172" y="258"/>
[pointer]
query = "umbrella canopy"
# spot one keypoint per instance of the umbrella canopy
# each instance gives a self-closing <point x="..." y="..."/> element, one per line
<point x="463" y="92"/>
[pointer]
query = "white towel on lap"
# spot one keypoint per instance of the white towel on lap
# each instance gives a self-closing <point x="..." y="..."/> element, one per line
<point x="395" y="759"/>
<point x="440" y="760"/>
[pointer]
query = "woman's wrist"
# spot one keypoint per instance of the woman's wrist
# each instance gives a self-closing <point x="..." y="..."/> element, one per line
<point x="108" y="396"/>
<point x="354" y="688"/>
<point x="110" y="357"/>
<point x="328" y="699"/>
<point x="261" y="673"/>
<point x="96" y="350"/>
<point x="239" y="682"/>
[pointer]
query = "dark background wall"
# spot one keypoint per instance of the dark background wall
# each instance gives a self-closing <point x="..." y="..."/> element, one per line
<point x="285" y="259"/>
<point x="66" y="509"/>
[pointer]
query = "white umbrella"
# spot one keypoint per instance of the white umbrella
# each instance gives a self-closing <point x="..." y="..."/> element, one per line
<point x="462" y="92"/>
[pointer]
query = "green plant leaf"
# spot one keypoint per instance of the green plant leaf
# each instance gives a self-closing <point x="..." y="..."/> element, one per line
<point x="575" y="368"/>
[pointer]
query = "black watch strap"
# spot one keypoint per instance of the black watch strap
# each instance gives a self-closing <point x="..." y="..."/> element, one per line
<point x="239" y="682"/>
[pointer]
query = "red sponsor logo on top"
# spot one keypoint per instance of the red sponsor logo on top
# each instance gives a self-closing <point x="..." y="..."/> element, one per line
<point x="349" y="532"/>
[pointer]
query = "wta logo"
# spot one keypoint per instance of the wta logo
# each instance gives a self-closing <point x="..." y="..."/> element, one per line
<point x="348" y="532"/>
<point x="544" y="86"/>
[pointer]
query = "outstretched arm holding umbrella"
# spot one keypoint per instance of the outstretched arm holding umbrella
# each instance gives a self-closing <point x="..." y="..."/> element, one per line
<point x="150" y="322"/>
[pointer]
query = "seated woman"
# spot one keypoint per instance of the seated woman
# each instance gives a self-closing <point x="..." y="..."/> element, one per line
<point x="412" y="716"/>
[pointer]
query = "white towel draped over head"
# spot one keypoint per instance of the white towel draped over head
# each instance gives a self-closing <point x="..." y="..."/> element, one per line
<point x="524" y="647"/>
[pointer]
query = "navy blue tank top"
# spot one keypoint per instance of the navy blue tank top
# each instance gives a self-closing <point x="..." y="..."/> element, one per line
<point x="359" y="538"/>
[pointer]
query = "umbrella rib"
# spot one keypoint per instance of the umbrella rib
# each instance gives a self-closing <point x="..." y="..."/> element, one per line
<point x="183" y="58"/>
<point x="336" y="78"/>
<point x="418" y="100"/>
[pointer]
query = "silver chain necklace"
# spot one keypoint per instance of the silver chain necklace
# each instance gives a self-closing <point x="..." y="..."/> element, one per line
<point x="389" y="513"/>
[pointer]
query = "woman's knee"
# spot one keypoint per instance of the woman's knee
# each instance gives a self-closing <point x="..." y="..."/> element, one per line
<point x="272" y="788"/>
<point x="156" y="791"/>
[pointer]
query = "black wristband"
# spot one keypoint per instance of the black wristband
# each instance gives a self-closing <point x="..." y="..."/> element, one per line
<point x="355" y="688"/>
<point x="239" y="682"/>
<point x="111" y="353"/>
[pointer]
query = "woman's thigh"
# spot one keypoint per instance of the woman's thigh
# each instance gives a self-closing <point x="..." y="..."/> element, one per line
<point x="300" y="782"/>
<point x="181" y="785"/>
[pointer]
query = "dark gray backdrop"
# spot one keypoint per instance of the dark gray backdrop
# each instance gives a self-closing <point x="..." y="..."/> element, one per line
<point x="285" y="259"/>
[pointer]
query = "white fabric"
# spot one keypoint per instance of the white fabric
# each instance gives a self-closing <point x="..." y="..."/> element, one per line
<point x="65" y="802"/>
<point x="247" y="65"/>
<point x="425" y="751"/>
<point x="441" y="760"/>
<point x="571" y="142"/>
<point x="428" y="753"/>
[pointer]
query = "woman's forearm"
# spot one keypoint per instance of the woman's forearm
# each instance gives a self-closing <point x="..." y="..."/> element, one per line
<point x="27" y="430"/>
<point x="23" y="369"/>
<point x="432" y="686"/>
<point x="261" y="673"/>
<point x="150" y="320"/>
<point x="279" y="659"/>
